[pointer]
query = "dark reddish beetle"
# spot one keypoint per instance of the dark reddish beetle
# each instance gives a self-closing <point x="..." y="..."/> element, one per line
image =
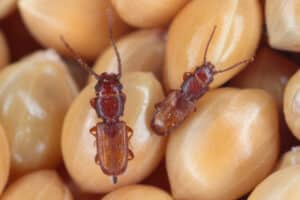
<point x="112" y="135"/>
<point x="178" y="104"/>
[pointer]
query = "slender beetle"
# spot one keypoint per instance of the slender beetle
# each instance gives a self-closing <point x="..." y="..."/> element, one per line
<point x="178" y="104"/>
<point x="112" y="135"/>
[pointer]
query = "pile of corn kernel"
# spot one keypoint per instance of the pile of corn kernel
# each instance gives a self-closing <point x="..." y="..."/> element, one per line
<point x="239" y="144"/>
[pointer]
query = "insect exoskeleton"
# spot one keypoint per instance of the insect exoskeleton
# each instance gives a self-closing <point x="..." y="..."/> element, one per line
<point x="112" y="135"/>
<point x="178" y="104"/>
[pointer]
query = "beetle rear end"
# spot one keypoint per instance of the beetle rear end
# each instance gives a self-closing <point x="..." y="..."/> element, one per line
<point x="112" y="148"/>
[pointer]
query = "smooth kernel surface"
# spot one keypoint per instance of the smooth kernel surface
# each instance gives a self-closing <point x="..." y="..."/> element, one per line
<point x="4" y="159"/>
<point x="4" y="51"/>
<point x="283" y="23"/>
<point x="290" y="158"/>
<point x="45" y="184"/>
<point x="283" y="184"/>
<point x="269" y="71"/>
<point x="224" y="149"/>
<point x="291" y="103"/>
<point x="138" y="192"/>
<point x="142" y="91"/>
<point x="141" y="50"/>
<point x="83" y="24"/>
<point x="35" y="94"/>
<point x="148" y="13"/>
<point x="6" y="7"/>
<point x="239" y="25"/>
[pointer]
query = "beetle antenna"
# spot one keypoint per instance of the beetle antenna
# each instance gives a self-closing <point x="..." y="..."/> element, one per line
<point x="112" y="41"/>
<point x="208" y="43"/>
<point x="79" y="60"/>
<point x="235" y="65"/>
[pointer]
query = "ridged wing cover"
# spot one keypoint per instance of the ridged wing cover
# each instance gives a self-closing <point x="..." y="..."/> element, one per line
<point x="112" y="147"/>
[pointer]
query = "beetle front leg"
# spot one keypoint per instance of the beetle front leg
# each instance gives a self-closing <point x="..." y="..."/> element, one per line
<point x="93" y="102"/>
<point x="130" y="155"/>
<point x="186" y="75"/>
<point x="93" y="131"/>
<point x="97" y="159"/>
<point x="129" y="132"/>
<point x="157" y="105"/>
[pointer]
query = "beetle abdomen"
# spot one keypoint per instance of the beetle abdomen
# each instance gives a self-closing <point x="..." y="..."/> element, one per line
<point x="110" y="106"/>
<point x="112" y="146"/>
<point x="171" y="112"/>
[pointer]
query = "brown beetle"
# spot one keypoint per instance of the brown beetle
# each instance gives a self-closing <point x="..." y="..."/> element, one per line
<point x="112" y="135"/>
<point x="178" y="104"/>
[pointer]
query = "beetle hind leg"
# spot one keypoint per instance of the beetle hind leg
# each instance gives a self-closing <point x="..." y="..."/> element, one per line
<point x="186" y="75"/>
<point x="130" y="155"/>
<point x="93" y="130"/>
<point x="97" y="159"/>
<point x="93" y="102"/>
<point x="157" y="105"/>
<point x="129" y="132"/>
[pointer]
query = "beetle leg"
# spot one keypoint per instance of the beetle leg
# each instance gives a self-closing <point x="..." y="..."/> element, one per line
<point x="93" y="130"/>
<point x="191" y="106"/>
<point x="130" y="155"/>
<point x="157" y="105"/>
<point x="97" y="159"/>
<point x="123" y="96"/>
<point x="93" y="102"/>
<point x="129" y="132"/>
<point x="195" y="107"/>
<point x="186" y="75"/>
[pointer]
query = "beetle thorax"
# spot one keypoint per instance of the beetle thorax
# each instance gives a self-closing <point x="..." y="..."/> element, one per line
<point x="205" y="73"/>
<point x="110" y="99"/>
<point x="197" y="83"/>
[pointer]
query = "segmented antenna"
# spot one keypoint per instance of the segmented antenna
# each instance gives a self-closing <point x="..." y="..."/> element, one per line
<point x="112" y="41"/>
<point x="235" y="65"/>
<point x="79" y="60"/>
<point x="208" y="44"/>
